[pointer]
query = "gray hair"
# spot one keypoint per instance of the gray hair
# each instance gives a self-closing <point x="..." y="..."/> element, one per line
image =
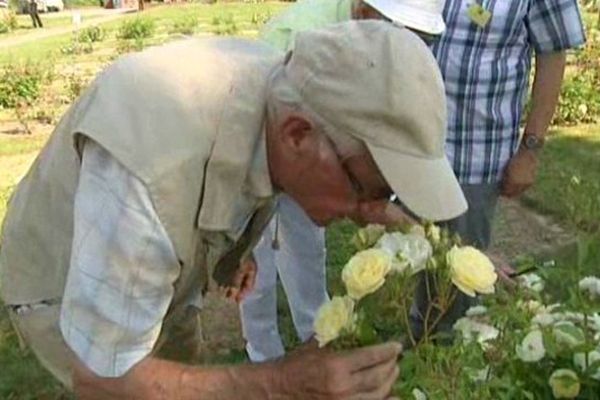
<point x="283" y="98"/>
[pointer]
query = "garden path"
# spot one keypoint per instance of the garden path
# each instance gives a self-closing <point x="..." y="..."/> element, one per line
<point x="60" y="30"/>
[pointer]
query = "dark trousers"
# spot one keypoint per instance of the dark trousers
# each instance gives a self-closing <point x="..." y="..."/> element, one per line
<point x="475" y="228"/>
<point x="35" y="17"/>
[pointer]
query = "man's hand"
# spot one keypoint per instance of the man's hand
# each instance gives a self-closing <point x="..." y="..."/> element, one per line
<point x="320" y="374"/>
<point x="503" y="269"/>
<point x="243" y="281"/>
<point x="520" y="173"/>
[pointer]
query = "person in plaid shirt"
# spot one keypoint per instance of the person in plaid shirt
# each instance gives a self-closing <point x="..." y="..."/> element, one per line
<point x="485" y="56"/>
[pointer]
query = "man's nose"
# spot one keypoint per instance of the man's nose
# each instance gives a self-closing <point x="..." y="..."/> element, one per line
<point x="382" y="212"/>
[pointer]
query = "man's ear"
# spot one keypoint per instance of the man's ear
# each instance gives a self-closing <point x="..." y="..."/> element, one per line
<point x="297" y="133"/>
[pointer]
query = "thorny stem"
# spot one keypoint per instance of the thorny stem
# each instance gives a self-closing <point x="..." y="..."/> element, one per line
<point x="437" y="319"/>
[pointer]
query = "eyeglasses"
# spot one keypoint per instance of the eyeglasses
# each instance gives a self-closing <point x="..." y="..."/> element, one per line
<point x="358" y="187"/>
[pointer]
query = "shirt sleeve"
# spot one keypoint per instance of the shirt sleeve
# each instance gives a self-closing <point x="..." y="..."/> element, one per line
<point x="555" y="25"/>
<point x="123" y="267"/>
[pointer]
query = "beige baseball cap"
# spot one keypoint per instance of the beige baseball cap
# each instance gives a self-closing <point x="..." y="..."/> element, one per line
<point x="422" y="15"/>
<point x="380" y="84"/>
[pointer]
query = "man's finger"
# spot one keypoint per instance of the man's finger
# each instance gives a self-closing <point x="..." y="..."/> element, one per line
<point x="380" y="387"/>
<point x="371" y="379"/>
<point x="367" y="357"/>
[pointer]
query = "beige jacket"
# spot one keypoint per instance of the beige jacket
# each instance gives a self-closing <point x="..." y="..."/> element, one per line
<point x="187" y="119"/>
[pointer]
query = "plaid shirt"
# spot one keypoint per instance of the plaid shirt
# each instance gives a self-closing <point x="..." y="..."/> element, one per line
<point x="486" y="72"/>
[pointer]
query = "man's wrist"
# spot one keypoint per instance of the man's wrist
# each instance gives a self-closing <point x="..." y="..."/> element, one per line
<point x="532" y="141"/>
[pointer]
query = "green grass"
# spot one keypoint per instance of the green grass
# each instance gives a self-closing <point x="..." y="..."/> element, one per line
<point x="21" y="377"/>
<point x="570" y="152"/>
<point x="21" y="144"/>
<point x="25" y="25"/>
<point x="163" y="16"/>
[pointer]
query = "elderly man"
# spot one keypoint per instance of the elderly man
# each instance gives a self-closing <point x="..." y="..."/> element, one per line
<point x="292" y="245"/>
<point x="485" y="58"/>
<point x="112" y="237"/>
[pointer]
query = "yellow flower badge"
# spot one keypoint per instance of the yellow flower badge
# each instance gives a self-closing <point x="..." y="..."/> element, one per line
<point x="365" y="272"/>
<point x="471" y="270"/>
<point x="333" y="318"/>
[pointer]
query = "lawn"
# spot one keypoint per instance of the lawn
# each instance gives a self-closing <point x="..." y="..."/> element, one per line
<point x="164" y="17"/>
<point x="50" y="20"/>
<point x="568" y="185"/>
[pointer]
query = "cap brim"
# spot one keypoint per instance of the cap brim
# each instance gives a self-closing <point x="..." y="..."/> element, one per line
<point x="409" y="16"/>
<point x="428" y="187"/>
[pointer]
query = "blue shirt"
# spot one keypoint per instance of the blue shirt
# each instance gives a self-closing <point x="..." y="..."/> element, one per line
<point x="486" y="73"/>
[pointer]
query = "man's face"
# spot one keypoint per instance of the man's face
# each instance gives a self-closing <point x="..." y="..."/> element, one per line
<point x="330" y="183"/>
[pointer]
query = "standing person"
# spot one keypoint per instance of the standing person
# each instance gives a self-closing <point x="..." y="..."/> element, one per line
<point x="292" y="245"/>
<point x="34" y="14"/>
<point x="485" y="57"/>
<point x="111" y="238"/>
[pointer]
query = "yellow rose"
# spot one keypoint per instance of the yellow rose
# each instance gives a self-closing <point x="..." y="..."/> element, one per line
<point x="471" y="270"/>
<point x="332" y="318"/>
<point x="565" y="384"/>
<point x="366" y="271"/>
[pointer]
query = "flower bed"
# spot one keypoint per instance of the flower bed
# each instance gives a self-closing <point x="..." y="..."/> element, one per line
<point x="537" y="339"/>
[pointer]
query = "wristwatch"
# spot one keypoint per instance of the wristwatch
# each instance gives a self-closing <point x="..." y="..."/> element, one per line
<point x="531" y="141"/>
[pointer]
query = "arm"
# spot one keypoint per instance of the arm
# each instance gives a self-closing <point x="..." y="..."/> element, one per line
<point x="155" y="379"/>
<point x="521" y="170"/>
<point x="366" y="373"/>
<point x="549" y="71"/>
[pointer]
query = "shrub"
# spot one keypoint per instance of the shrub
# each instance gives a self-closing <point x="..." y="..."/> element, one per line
<point x="136" y="29"/>
<point x="224" y="25"/>
<point x="132" y="34"/>
<point x="21" y="83"/>
<point x="8" y="21"/>
<point x="186" y="25"/>
<point x="260" y="18"/>
<point x="75" y="46"/>
<point x="92" y="34"/>
<point x="76" y="84"/>
<point x="579" y="98"/>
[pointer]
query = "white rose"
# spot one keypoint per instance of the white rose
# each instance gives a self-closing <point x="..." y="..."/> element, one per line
<point x="532" y="282"/>
<point x="544" y="319"/>
<point x="479" y="375"/>
<point x="333" y="317"/>
<point x="532" y="348"/>
<point x="411" y="250"/>
<point x="473" y="330"/>
<point x="476" y="311"/>
<point x="533" y="306"/>
<point x="471" y="270"/>
<point x="565" y="384"/>
<point x="591" y="286"/>
<point x="365" y="272"/>
<point x="418" y="394"/>
<point x="594" y="321"/>
<point x="568" y="334"/>
<point x="593" y="356"/>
